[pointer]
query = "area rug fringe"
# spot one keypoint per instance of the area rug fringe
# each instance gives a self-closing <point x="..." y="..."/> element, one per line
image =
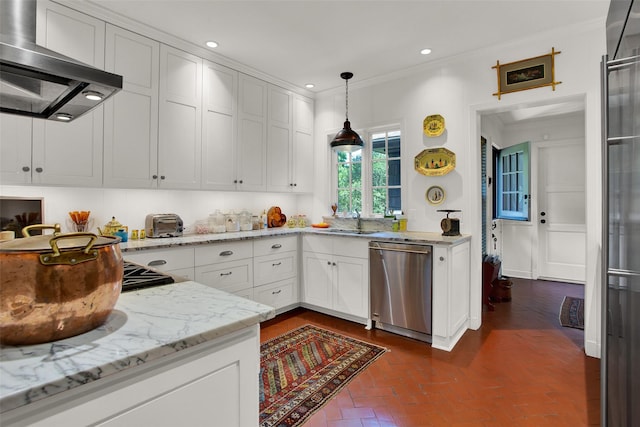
<point x="300" y="399"/>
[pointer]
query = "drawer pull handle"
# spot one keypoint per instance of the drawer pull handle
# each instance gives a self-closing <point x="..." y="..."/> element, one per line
<point x="276" y="292"/>
<point x="275" y="264"/>
<point x="276" y="246"/>
<point x="226" y="253"/>
<point x="157" y="262"/>
<point x="226" y="274"/>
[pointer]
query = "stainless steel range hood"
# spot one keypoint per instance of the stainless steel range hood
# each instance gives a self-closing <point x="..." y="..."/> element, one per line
<point x="37" y="82"/>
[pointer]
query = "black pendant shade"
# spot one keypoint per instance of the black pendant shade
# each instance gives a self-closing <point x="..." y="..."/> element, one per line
<point x="347" y="139"/>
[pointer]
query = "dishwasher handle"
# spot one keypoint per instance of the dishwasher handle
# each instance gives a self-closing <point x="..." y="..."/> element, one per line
<point x="400" y="247"/>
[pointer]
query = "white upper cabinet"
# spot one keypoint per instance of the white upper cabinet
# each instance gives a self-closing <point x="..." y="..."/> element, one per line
<point x="15" y="149"/>
<point x="280" y="133"/>
<point x="252" y="133"/>
<point x="131" y="116"/>
<point x="180" y="129"/>
<point x="302" y="146"/>
<point x="69" y="153"/>
<point x="290" y="142"/>
<point x="219" y="127"/>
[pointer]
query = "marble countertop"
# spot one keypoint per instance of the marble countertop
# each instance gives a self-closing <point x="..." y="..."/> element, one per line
<point x="204" y="239"/>
<point x="145" y="325"/>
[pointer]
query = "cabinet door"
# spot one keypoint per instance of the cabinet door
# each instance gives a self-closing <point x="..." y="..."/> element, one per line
<point x="219" y="127"/>
<point x="318" y="278"/>
<point x="15" y="149"/>
<point x="131" y="116"/>
<point x="351" y="286"/>
<point x="70" y="153"/>
<point x="180" y="136"/>
<point x="302" y="163"/>
<point x="252" y="134"/>
<point x="270" y="268"/>
<point x="279" y="137"/>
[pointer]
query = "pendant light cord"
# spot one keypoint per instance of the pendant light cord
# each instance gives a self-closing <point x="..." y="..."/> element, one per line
<point x="347" y="100"/>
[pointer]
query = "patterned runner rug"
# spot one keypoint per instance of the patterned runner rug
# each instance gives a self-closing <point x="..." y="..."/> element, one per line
<point x="572" y="312"/>
<point x="302" y="369"/>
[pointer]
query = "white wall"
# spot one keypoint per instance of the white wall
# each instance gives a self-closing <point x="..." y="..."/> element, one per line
<point x="131" y="206"/>
<point x="460" y="89"/>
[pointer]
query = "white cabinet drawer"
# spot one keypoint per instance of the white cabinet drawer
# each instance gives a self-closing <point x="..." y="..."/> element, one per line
<point x="223" y="252"/>
<point x="231" y="276"/>
<point x="278" y="294"/>
<point x="164" y="259"/>
<point x="270" y="268"/>
<point x="269" y="246"/>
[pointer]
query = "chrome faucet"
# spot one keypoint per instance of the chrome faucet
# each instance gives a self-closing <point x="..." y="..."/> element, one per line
<point x="359" y="223"/>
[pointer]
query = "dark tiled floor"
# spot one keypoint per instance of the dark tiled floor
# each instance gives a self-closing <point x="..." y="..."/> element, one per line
<point x="521" y="368"/>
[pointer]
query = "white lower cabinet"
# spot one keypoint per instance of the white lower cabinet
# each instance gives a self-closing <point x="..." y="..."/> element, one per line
<point x="175" y="261"/>
<point x="275" y="265"/>
<point x="227" y="266"/>
<point x="336" y="275"/>
<point x="215" y="383"/>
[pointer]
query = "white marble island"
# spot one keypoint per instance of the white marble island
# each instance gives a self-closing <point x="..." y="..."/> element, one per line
<point x="164" y="351"/>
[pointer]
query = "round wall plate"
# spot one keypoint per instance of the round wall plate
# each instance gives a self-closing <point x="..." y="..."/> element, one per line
<point x="433" y="125"/>
<point x="435" y="195"/>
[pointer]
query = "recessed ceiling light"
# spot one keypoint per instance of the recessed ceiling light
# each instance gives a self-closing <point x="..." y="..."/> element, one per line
<point x="309" y="85"/>
<point x="211" y="44"/>
<point x="426" y="51"/>
<point x="93" y="95"/>
<point x="64" y="117"/>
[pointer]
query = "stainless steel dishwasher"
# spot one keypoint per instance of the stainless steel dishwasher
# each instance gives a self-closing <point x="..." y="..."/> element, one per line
<point x="400" y="276"/>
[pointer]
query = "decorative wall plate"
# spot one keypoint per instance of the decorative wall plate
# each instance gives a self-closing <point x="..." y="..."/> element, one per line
<point x="435" y="195"/>
<point x="435" y="162"/>
<point x="433" y="125"/>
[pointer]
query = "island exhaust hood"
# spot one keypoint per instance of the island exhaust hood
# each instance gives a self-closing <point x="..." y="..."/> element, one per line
<point x="40" y="83"/>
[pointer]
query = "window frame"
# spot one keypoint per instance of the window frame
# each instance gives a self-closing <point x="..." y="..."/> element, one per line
<point x="367" y="164"/>
<point x="522" y="193"/>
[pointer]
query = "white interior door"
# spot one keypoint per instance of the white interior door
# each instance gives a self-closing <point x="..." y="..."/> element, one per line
<point x="561" y="211"/>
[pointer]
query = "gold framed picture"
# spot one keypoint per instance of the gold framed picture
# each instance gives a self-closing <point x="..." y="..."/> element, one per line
<point x="526" y="74"/>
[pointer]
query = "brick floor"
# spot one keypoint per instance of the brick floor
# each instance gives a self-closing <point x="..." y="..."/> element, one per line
<point x="521" y="368"/>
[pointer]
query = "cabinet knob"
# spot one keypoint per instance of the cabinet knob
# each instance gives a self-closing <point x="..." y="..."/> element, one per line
<point x="276" y="292"/>
<point x="240" y="181"/>
<point x="226" y="274"/>
<point x="295" y="185"/>
<point x="162" y="177"/>
<point x="26" y="169"/>
<point x="328" y="262"/>
<point x="154" y="176"/>
<point x="441" y="258"/>
<point x="276" y="246"/>
<point x="226" y="253"/>
<point x="39" y="170"/>
<point x="334" y="263"/>
<point x="275" y="264"/>
<point x="157" y="262"/>
<point x="235" y="181"/>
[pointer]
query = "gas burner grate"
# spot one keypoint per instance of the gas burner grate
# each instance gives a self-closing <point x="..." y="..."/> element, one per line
<point x="137" y="276"/>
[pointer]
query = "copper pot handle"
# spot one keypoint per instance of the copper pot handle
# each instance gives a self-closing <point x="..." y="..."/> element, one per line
<point x="55" y="227"/>
<point x="70" y="257"/>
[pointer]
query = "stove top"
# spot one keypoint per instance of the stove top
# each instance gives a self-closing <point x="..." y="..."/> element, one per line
<point x="137" y="276"/>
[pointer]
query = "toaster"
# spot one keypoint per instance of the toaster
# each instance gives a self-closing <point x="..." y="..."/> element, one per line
<point x="163" y="225"/>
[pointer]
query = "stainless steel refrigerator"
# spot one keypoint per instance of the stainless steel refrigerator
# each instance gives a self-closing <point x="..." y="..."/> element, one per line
<point x="620" y="380"/>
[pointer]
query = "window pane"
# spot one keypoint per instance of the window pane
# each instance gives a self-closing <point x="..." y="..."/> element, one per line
<point x="394" y="172"/>
<point x="394" y="146"/>
<point x="343" y="175"/>
<point x="395" y="199"/>
<point x="378" y="148"/>
<point x="356" y="200"/>
<point x="344" y="202"/>
<point x="356" y="156"/>
<point x="379" y="170"/>
<point x="379" y="200"/>
<point x="356" y="175"/>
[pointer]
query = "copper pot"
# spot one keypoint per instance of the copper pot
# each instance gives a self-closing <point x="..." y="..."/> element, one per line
<point x="56" y="285"/>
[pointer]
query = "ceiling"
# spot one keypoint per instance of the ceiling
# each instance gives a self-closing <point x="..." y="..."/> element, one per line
<point x="313" y="41"/>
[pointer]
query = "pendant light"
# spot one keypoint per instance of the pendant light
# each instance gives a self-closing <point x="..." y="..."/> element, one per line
<point x="347" y="140"/>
